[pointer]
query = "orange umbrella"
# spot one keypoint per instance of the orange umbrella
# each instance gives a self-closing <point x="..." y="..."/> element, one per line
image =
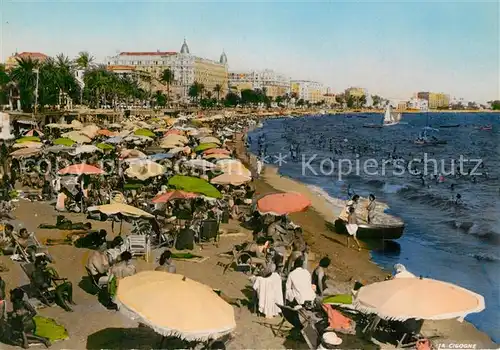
<point x="79" y="169"/>
<point x="217" y="151"/>
<point x="177" y="194"/>
<point x="105" y="132"/>
<point x="283" y="203"/>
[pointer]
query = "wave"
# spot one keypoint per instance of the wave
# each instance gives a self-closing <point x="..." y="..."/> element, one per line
<point x="485" y="257"/>
<point x="335" y="202"/>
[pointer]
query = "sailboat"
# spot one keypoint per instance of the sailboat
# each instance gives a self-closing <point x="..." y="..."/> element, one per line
<point x="390" y="117"/>
<point x="425" y="139"/>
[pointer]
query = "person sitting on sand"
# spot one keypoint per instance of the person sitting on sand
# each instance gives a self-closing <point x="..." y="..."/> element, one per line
<point x="45" y="278"/>
<point x="401" y="272"/>
<point x="352" y="226"/>
<point x="298" y="284"/>
<point x="166" y="263"/>
<point x="124" y="267"/>
<point x="21" y="321"/>
<point x="318" y="278"/>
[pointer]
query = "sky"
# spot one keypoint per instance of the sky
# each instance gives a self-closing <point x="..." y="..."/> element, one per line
<point x="391" y="48"/>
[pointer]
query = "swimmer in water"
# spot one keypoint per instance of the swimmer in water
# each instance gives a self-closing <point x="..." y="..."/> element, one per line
<point x="452" y="187"/>
<point x="458" y="199"/>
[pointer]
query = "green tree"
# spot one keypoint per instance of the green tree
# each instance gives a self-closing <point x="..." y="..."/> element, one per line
<point x="301" y="102"/>
<point x="376" y="100"/>
<point x="231" y="99"/>
<point x="24" y="76"/>
<point x="340" y="98"/>
<point x="4" y="85"/>
<point x="362" y="101"/>
<point x="218" y="90"/>
<point x="350" y="101"/>
<point x="84" y="60"/>
<point x="195" y="91"/>
<point x="161" y="99"/>
<point x="495" y="105"/>
<point x="167" y="77"/>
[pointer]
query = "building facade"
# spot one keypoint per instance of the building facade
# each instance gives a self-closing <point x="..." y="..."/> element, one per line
<point x="186" y="68"/>
<point x="274" y="83"/>
<point x="355" y="92"/>
<point x="434" y="99"/>
<point x="11" y="61"/>
<point x="418" y="104"/>
<point x="311" y="91"/>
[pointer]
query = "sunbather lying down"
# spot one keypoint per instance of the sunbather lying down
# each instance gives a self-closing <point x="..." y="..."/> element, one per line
<point x="65" y="224"/>
<point x="79" y="239"/>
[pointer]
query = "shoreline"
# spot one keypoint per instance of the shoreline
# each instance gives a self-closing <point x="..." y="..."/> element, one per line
<point x="348" y="265"/>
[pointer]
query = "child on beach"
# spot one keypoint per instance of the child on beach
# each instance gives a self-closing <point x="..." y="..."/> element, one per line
<point x="352" y="226"/>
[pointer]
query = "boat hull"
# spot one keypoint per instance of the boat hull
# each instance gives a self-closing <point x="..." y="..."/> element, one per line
<point x="372" y="231"/>
<point x="372" y="126"/>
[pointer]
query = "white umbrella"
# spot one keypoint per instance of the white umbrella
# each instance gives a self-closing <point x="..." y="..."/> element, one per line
<point x="85" y="149"/>
<point x="200" y="164"/>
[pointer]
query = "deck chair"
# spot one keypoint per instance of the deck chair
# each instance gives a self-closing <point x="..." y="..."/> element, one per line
<point x="209" y="230"/>
<point x="46" y="296"/>
<point x="102" y="284"/>
<point x="24" y="254"/>
<point x="290" y="315"/>
<point x="139" y="245"/>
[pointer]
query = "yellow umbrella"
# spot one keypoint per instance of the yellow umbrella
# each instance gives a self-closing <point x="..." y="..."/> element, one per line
<point x="233" y="168"/>
<point x="210" y="139"/>
<point x="175" y="138"/>
<point x="174" y="305"/>
<point x="120" y="208"/>
<point x="144" y="169"/>
<point x="77" y="136"/>
<point x="420" y="298"/>
<point x="171" y="144"/>
<point x="25" y="152"/>
<point x="90" y="130"/>
<point x="230" y="179"/>
<point x="28" y="144"/>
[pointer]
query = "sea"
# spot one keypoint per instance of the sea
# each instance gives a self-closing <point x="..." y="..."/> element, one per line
<point x="445" y="238"/>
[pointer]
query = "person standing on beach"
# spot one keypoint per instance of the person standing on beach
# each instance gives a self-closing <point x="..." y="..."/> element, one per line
<point x="371" y="209"/>
<point x="352" y="226"/>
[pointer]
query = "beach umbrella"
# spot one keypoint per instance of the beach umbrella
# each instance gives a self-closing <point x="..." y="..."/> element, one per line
<point x="28" y="144"/>
<point x="200" y="164"/>
<point x="114" y="140"/>
<point x="85" y="149"/>
<point x="205" y="146"/>
<point x="28" y="139"/>
<point x="105" y="146"/>
<point x="160" y="156"/>
<point x="175" y="139"/>
<point x="173" y="132"/>
<point x="120" y="208"/>
<point x="138" y="139"/>
<point x="230" y="179"/>
<point x="233" y="168"/>
<point x="174" y="305"/>
<point x="420" y="298"/>
<point x="77" y="137"/>
<point x="25" y="152"/>
<point x="105" y="132"/>
<point x="175" y="150"/>
<point x="58" y="148"/>
<point x="205" y="130"/>
<point x="144" y="169"/>
<point x="144" y="132"/>
<point x="210" y="139"/>
<point x="131" y="153"/>
<point x="33" y="132"/>
<point x="217" y="151"/>
<point x="90" y="130"/>
<point x="63" y="141"/>
<point x="75" y="124"/>
<point x="115" y="126"/>
<point x="216" y="156"/>
<point x="171" y="195"/>
<point x="283" y="203"/>
<point x="194" y="184"/>
<point x="79" y="169"/>
<point x="171" y="144"/>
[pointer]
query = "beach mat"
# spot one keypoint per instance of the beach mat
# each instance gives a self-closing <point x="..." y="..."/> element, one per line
<point x="49" y="328"/>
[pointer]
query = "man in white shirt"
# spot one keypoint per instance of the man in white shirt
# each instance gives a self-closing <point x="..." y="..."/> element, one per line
<point x="298" y="284"/>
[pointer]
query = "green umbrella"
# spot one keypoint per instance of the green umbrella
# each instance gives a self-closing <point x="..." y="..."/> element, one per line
<point x="105" y="146"/>
<point x="64" y="141"/>
<point x="144" y="132"/>
<point x="205" y="146"/>
<point x="28" y="139"/>
<point x="194" y="184"/>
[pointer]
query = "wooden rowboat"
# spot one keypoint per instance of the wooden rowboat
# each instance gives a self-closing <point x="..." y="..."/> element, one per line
<point x="373" y="231"/>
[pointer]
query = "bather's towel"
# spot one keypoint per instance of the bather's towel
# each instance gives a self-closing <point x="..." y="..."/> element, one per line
<point x="269" y="291"/>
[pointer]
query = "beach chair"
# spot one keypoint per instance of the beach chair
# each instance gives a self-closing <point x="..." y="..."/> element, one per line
<point x="139" y="245"/>
<point x="209" y="229"/>
<point x="46" y="296"/>
<point x="102" y="284"/>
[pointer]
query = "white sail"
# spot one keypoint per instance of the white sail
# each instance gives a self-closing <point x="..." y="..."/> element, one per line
<point x="391" y="118"/>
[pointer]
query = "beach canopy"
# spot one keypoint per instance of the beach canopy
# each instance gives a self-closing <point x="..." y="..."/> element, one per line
<point x="175" y="138"/>
<point x="173" y="305"/>
<point x="175" y="150"/>
<point x="200" y="164"/>
<point x="217" y="156"/>
<point x="160" y="156"/>
<point x="25" y="152"/>
<point x="120" y="208"/>
<point x="58" y="148"/>
<point x="131" y="153"/>
<point x="231" y="179"/>
<point x="106" y="132"/>
<point x="210" y="139"/>
<point x="33" y="132"/>
<point x="90" y="131"/>
<point x="171" y="195"/>
<point x="420" y="298"/>
<point x="173" y="132"/>
<point x="233" y="166"/>
<point x="216" y="151"/>
<point x="283" y="203"/>
<point x="28" y="139"/>
<point x="77" y="136"/>
<point x="63" y="141"/>
<point x="105" y="146"/>
<point x="144" y="132"/>
<point x="80" y="169"/>
<point x="114" y="140"/>
<point x="28" y="144"/>
<point x="85" y="149"/>
<point x="144" y="169"/>
<point x="194" y="184"/>
<point x="205" y="146"/>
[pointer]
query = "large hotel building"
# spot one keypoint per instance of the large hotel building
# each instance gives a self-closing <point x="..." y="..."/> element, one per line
<point x="186" y="69"/>
<point x="275" y="84"/>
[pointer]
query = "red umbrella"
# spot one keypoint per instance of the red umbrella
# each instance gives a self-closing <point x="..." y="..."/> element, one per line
<point x="79" y="169"/>
<point x="106" y="132"/>
<point x="217" y="151"/>
<point x="173" y="132"/>
<point x="177" y="194"/>
<point x="283" y="203"/>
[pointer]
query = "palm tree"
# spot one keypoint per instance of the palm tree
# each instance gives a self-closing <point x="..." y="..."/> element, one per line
<point x="25" y="78"/>
<point x="84" y="60"/>
<point x="4" y="85"/>
<point x="196" y="90"/>
<point x="167" y="77"/>
<point x="218" y="90"/>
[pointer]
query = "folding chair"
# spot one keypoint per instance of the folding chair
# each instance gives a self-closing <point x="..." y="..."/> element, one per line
<point x="291" y="316"/>
<point x="139" y="245"/>
<point x="45" y="296"/>
<point x="101" y="284"/>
